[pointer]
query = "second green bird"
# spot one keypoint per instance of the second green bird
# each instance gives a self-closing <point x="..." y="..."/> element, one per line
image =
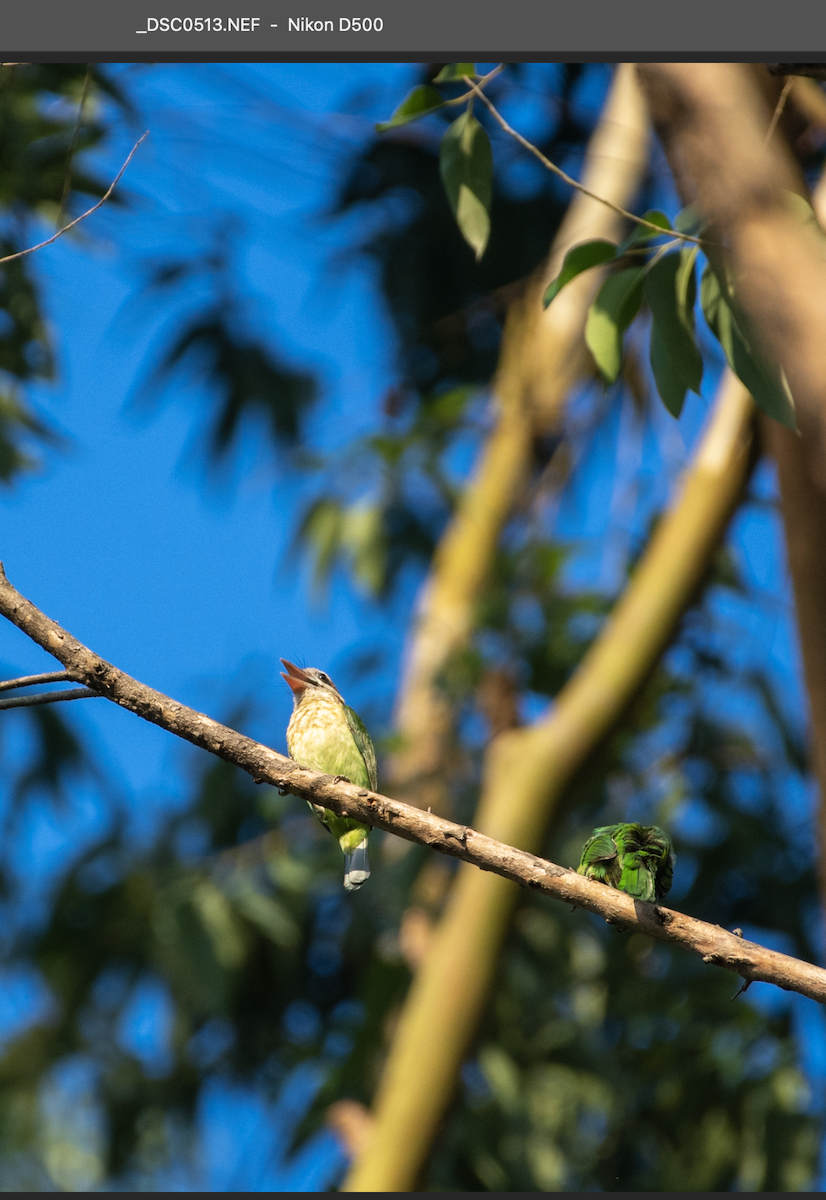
<point x="326" y="735"/>
<point x="636" y="859"/>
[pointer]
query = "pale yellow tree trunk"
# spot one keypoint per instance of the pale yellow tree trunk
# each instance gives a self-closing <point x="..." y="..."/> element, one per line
<point x="525" y="773"/>
<point x="542" y="355"/>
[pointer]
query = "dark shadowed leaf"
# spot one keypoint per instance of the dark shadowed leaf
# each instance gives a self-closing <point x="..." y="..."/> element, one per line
<point x="617" y="303"/>
<point x="670" y="289"/>
<point x="578" y="259"/>
<point x="766" y="384"/>
<point x="466" y="165"/>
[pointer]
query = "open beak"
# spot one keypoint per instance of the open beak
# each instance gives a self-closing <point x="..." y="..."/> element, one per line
<point x="295" y="677"/>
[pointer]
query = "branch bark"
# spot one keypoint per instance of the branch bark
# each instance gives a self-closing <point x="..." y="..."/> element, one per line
<point x="542" y="356"/>
<point x="525" y="774"/>
<point x="712" y="943"/>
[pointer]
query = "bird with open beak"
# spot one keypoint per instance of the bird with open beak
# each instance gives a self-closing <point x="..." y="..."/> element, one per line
<point x="326" y="735"/>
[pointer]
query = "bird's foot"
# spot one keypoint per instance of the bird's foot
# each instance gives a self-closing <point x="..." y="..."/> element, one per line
<point x="341" y="779"/>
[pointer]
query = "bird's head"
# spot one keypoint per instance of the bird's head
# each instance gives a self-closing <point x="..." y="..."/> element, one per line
<point x="308" y="681"/>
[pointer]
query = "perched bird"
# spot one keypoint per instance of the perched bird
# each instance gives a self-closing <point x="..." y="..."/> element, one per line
<point x="636" y="859"/>
<point x="325" y="735"/>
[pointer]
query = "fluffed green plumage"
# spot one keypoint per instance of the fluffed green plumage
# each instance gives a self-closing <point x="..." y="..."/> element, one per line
<point x="327" y="735"/>
<point x="637" y="859"/>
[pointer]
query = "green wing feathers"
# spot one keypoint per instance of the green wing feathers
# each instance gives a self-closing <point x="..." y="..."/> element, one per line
<point x="636" y="859"/>
<point x="365" y="746"/>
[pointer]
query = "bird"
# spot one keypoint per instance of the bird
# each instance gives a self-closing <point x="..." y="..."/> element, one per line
<point x="326" y="735"/>
<point x="637" y="859"/>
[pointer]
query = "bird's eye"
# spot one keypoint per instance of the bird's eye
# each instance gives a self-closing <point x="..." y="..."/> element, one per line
<point x="325" y="678"/>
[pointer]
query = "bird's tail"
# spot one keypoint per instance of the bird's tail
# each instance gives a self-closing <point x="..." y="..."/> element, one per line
<point x="356" y="868"/>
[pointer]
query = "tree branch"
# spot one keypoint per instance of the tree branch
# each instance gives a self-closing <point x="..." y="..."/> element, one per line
<point x="569" y="179"/>
<point x="8" y="685"/>
<point x="83" y="216"/>
<point x="48" y="698"/>
<point x="710" y="942"/>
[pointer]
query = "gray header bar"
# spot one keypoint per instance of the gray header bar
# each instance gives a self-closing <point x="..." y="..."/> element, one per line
<point x="427" y="28"/>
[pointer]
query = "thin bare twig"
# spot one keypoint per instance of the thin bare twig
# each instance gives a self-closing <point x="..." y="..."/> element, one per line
<point x="483" y="79"/>
<point x="712" y="943"/>
<point x="569" y="179"/>
<point x="8" y="685"/>
<point x="83" y="216"/>
<point x="778" y="109"/>
<point x="47" y="698"/>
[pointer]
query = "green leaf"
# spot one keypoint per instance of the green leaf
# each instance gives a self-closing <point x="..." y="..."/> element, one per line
<point x="768" y="386"/>
<point x="641" y="233"/>
<point x="421" y="101"/>
<point x="615" y="307"/>
<point x="454" y="71"/>
<point x="466" y="165"/>
<point x="670" y="289"/>
<point x="578" y="259"/>
<point x="689" y="221"/>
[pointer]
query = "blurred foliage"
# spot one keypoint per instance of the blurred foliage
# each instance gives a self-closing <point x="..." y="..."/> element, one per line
<point x="605" y="1061"/>
<point x="50" y="113"/>
<point x="212" y="346"/>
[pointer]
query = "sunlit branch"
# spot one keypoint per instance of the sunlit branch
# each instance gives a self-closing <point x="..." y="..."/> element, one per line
<point x="712" y="943"/>
<point x="83" y="216"/>
<point x="569" y="179"/>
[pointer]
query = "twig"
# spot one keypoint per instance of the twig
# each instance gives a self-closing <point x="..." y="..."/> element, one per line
<point x="483" y="79"/>
<point x="574" y="183"/>
<point x="83" y="216"/>
<point x="778" y="109"/>
<point x="712" y="943"/>
<point x="67" y="183"/>
<point x="8" y="685"/>
<point x="47" y="698"/>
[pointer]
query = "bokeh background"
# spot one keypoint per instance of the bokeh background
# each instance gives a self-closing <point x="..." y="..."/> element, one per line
<point x="239" y="406"/>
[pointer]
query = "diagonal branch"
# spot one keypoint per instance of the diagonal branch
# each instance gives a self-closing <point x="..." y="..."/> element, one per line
<point x="712" y="943"/>
<point x="48" y="698"/>
<point x="476" y="89"/>
<point x="8" y="685"/>
<point x="83" y="216"/>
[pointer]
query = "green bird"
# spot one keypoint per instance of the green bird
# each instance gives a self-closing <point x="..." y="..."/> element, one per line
<point x="636" y="859"/>
<point x="326" y="735"/>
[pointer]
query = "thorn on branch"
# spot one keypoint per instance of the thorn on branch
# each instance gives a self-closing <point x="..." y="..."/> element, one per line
<point x="746" y="985"/>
